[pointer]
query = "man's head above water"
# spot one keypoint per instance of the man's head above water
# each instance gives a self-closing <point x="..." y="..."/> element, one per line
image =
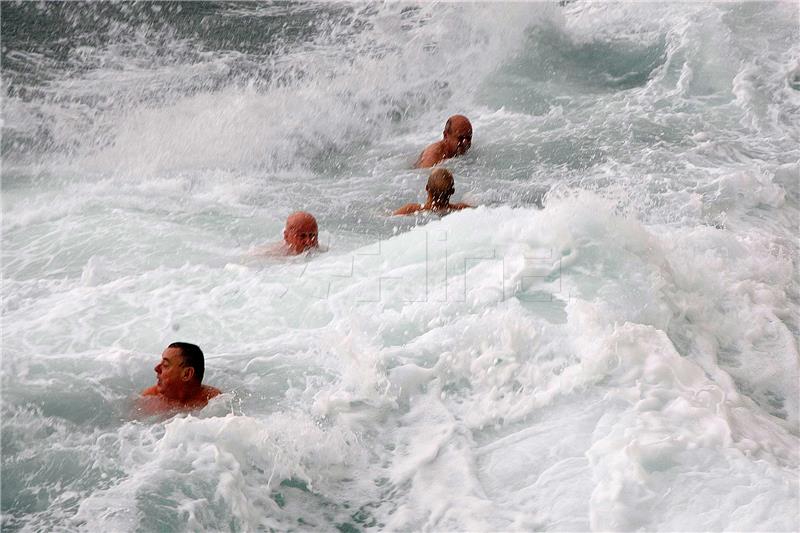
<point x="179" y="381"/>
<point x="457" y="134"/>
<point x="300" y="233"/>
<point x="456" y="140"/>
<point x="440" y="188"/>
<point x="181" y="367"/>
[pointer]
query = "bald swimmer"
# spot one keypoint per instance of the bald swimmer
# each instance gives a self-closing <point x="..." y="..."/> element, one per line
<point x="179" y="382"/>
<point x="300" y="233"/>
<point x="457" y="138"/>
<point x="440" y="188"/>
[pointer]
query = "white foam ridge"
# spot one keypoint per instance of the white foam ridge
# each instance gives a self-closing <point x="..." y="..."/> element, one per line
<point x="608" y="341"/>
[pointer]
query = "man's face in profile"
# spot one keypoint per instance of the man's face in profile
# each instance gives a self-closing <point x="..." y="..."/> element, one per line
<point x="458" y="131"/>
<point x="169" y="371"/>
<point x="464" y="142"/>
<point x="301" y="234"/>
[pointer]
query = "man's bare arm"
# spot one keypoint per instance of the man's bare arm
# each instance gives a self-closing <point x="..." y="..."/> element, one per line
<point x="408" y="209"/>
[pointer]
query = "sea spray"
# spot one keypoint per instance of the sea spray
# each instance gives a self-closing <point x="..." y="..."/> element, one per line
<point x="608" y="341"/>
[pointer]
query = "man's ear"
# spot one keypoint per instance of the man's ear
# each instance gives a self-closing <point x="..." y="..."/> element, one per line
<point x="187" y="374"/>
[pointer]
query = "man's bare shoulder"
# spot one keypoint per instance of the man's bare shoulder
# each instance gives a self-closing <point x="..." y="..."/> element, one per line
<point x="459" y="206"/>
<point x="408" y="209"/>
<point x="150" y="403"/>
<point x="277" y="249"/>
<point x="432" y="155"/>
<point x="209" y="392"/>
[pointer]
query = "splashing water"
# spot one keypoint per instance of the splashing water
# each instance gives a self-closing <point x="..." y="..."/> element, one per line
<point x="609" y="342"/>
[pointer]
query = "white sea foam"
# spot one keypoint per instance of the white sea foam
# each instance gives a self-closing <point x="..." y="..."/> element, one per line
<point x="608" y="342"/>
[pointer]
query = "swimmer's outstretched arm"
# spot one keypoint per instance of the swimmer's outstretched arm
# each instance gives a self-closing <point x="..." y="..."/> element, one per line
<point x="269" y="250"/>
<point x="408" y="209"/>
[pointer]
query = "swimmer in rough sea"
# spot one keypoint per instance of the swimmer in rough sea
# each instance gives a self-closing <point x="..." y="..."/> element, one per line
<point x="457" y="138"/>
<point x="299" y="235"/>
<point x="440" y="188"/>
<point x="179" y="384"/>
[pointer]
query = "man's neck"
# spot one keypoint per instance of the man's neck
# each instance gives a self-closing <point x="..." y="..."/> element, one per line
<point x="450" y="147"/>
<point x="433" y="204"/>
<point x="189" y="392"/>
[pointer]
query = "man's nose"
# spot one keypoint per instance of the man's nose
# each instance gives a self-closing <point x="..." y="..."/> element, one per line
<point x="158" y="368"/>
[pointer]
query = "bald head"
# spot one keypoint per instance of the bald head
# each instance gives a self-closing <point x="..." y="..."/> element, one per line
<point x="300" y="233"/>
<point x="456" y="140"/>
<point x="458" y="134"/>
<point x="440" y="185"/>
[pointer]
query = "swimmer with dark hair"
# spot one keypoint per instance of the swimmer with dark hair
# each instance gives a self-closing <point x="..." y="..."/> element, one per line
<point x="179" y="382"/>
<point x="440" y="188"/>
<point x="457" y="138"/>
